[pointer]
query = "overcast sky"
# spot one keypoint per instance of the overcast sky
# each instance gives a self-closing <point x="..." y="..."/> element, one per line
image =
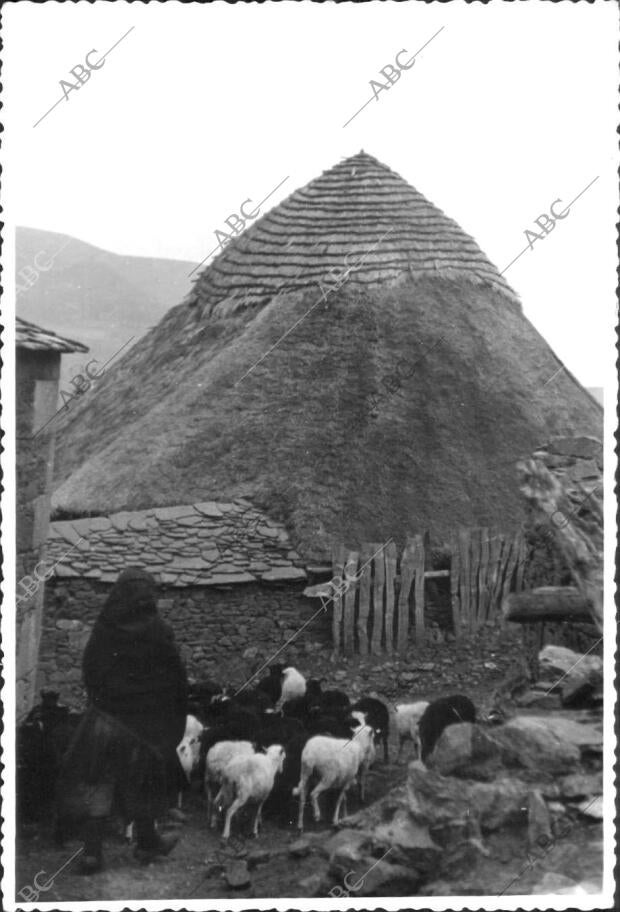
<point x="510" y="107"/>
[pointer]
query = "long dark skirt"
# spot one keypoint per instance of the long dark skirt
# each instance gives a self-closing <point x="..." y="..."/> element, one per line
<point x="109" y="770"/>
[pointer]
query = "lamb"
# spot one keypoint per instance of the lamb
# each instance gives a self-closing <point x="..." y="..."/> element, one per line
<point x="188" y="749"/>
<point x="293" y="685"/>
<point x="377" y="716"/>
<point x="218" y="758"/>
<point x="407" y="720"/>
<point x="250" y="778"/>
<point x="438" y="715"/>
<point x="338" y="763"/>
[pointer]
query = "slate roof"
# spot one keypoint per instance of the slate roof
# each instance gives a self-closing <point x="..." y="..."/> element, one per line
<point x="203" y="544"/>
<point x="29" y="335"/>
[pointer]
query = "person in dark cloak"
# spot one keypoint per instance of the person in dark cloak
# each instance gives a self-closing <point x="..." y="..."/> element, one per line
<point x="123" y="757"/>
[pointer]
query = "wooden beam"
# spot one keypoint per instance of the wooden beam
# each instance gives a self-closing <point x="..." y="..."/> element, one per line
<point x="547" y="603"/>
<point x="366" y="553"/>
<point x="436" y="574"/>
<point x="407" y="574"/>
<point x="390" y="573"/>
<point x="377" y="599"/>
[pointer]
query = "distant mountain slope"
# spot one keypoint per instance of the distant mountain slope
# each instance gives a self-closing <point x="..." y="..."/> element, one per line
<point x="98" y="297"/>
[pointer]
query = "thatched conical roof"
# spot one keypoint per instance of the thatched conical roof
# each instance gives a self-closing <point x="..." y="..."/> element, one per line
<point x="258" y="386"/>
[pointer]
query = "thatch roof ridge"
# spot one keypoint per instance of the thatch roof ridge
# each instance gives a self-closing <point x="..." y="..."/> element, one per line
<point x="360" y="207"/>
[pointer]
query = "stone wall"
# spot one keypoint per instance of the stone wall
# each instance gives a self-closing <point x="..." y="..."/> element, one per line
<point x="36" y="392"/>
<point x="222" y="633"/>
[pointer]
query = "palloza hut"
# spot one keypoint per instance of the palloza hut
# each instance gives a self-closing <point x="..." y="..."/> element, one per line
<point x="351" y="365"/>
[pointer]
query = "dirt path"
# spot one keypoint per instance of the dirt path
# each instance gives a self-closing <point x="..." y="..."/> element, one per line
<point x="194" y="869"/>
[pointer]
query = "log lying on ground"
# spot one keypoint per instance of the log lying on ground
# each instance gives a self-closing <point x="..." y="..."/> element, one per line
<point x="547" y="603"/>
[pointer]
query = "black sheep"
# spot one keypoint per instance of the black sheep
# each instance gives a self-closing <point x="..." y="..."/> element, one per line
<point x="326" y="700"/>
<point x="199" y="695"/>
<point x="438" y="715"/>
<point x="337" y="725"/>
<point x="271" y="684"/>
<point x="278" y="730"/>
<point x="378" y="717"/>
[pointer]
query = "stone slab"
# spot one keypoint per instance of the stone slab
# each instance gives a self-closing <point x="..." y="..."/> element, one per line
<point x="209" y="508"/>
<point x="279" y="574"/>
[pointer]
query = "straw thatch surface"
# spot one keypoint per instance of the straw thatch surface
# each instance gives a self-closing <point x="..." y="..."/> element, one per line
<point x="29" y="335"/>
<point x="171" y="423"/>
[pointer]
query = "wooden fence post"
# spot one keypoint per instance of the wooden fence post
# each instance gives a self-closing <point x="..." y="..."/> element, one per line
<point x="495" y="557"/>
<point x="350" y="568"/>
<point x="407" y="573"/>
<point x="455" y="570"/>
<point x="390" y="575"/>
<point x="483" y="574"/>
<point x="419" y="558"/>
<point x="338" y="554"/>
<point x="364" y="604"/>
<point x="377" y="599"/>
<point x="465" y="578"/>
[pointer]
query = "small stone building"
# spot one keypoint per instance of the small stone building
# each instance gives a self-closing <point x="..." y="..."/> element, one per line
<point x="230" y="584"/>
<point x="38" y="357"/>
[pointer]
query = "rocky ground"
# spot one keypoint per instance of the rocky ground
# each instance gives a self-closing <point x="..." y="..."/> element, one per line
<point x="428" y="852"/>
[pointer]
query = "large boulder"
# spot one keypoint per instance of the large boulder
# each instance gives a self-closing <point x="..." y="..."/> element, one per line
<point x="445" y="804"/>
<point x="545" y="745"/>
<point x="560" y="662"/>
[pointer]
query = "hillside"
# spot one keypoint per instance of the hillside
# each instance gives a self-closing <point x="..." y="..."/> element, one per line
<point x="93" y="295"/>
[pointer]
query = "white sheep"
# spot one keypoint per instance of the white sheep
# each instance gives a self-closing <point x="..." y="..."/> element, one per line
<point x="188" y="748"/>
<point x="293" y="685"/>
<point x="250" y="779"/>
<point x="218" y="758"/>
<point x="338" y="763"/>
<point x="407" y="718"/>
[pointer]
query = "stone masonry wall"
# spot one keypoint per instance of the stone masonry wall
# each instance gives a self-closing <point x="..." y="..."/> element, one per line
<point x="222" y="633"/>
<point x="36" y="394"/>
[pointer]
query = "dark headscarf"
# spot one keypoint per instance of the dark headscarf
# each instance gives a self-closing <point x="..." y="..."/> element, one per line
<point x="131" y="665"/>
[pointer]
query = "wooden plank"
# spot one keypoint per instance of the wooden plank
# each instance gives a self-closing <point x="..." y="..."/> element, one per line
<point x="464" y="546"/>
<point x="420" y="557"/>
<point x="348" y="615"/>
<point x="495" y="553"/>
<point x="521" y="563"/>
<point x="378" y="587"/>
<point x="365" y="570"/>
<point x="338" y="555"/>
<point x="511" y="562"/>
<point x="407" y="574"/>
<point x="547" y="603"/>
<point x="436" y="574"/>
<point x="483" y="574"/>
<point x="390" y="554"/>
<point x="455" y="570"/>
<point x="474" y="595"/>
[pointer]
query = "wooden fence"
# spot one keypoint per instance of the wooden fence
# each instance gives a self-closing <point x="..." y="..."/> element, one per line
<point x="382" y="596"/>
